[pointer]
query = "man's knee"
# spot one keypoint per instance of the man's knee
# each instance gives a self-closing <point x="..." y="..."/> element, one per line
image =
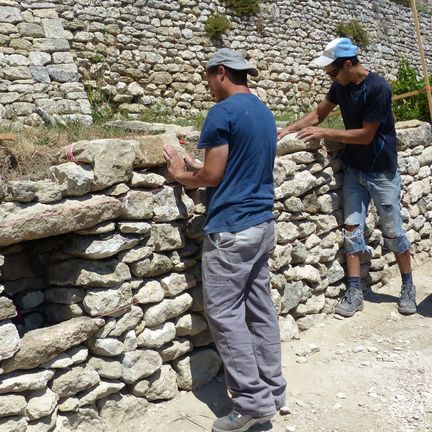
<point x="350" y="228"/>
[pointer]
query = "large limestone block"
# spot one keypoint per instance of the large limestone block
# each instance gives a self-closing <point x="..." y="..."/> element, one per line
<point x="109" y="347"/>
<point x="13" y="424"/>
<point x="291" y="144"/>
<point x="18" y="382"/>
<point x="313" y="305"/>
<point x="155" y="337"/>
<point x="101" y="301"/>
<point x="102" y="390"/>
<point x="11" y="405"/>
<point x="176" y="283"/>
<point x="7" y="309"/>
<point x="100" y="247"/>
<point x="106" y="367"/>
<point x="163" y="384"/>
<point x="303" y="272"/>
<point x="9" y="340"/>
<point x="20" y="222"/>
<point x="172" y="203"/>
<point x="88" y="273"/>
<point x="167" y="236"/>
<point x="41" y="403"/>
<point x="44" y="424"/>
<point x="297" y="185"/>
<point x="128" y="321"/>
<point x="175" y="349"/>
<point x="154" y="265"/>
<point x="190" y="325"/>
<point x="41" y="345"/>
<point x="84" y="420"/>
<point x="149" y="149"/>
<point x="150" y="292"/>
<point x="413" y="137"/>
<point x="75" y="380"/>
<point x="167" y="309"/>
<point x="119" y="410"/>
<point x="76" y="179"/>
<point x="138" y="205"/>
<point x="140" y="364"/>
<point x="10" y="14"/>
<point x="111" y="159"/>
<point x="198" y="369"/>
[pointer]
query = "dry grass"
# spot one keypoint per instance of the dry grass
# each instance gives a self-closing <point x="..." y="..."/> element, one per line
<point x="34" y="151"/>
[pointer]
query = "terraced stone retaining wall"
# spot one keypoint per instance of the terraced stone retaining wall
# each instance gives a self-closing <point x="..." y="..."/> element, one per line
<point x="138" y="54"/>
<point x="101" y="305"/>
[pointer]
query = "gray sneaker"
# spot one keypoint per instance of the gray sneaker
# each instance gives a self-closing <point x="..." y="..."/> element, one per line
<point x="351" y="302"/>
<point x="407" y="299"/>
<point x="235" y="422"/>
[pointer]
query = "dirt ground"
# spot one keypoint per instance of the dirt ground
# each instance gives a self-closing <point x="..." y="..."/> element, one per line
<point x="369" y="373"/>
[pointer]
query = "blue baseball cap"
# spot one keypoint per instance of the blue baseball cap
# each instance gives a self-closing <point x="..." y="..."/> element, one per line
<point x="337" y="48"/>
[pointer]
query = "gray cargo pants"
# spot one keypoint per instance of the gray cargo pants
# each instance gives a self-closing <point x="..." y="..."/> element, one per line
<point x="242" y="317"/>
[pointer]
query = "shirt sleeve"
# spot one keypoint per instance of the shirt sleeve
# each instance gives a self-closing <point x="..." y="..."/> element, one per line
<point x="216" y="129"/>
<point x="378" y="104"/>
<point x="332" y="94"/>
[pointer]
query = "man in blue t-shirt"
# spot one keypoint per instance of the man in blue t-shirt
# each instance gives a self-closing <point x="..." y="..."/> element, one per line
<point x="239" y="137"/>
<point x="370" y="158"/>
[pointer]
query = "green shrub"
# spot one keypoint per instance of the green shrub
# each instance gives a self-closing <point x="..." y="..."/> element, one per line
<point x="414" y="107"/>
<point x="102" y="110"/>
<point x="353" y="30"/>
<point x="243" y="7"/>
<point x="216" y="25"/>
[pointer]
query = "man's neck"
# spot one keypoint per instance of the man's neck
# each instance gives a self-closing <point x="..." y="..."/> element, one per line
<point x="359" y="74"/>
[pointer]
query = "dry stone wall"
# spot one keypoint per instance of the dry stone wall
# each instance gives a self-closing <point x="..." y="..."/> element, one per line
<point x="141" y="52"/>
<point x="100" y="298"/>
<point x="144" y="52"/>
<point x="37" y="69"/>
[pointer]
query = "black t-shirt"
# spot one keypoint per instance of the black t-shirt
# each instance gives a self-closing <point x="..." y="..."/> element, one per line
<point x="368" y="101"/>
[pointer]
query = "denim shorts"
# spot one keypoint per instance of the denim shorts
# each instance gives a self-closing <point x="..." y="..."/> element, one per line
<point x="384" y="188"/>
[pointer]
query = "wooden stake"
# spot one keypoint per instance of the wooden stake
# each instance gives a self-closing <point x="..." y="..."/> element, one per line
<point x="422" y="56"/>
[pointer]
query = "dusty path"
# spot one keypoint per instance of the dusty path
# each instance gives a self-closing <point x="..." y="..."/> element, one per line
<point x="372" y="372"/>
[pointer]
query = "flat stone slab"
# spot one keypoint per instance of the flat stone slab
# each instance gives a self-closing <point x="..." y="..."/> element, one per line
<point x="39" y="346"/>
<point x="22" y="222"/>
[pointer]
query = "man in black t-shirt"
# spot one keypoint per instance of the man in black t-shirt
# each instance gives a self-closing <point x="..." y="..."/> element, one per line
<point x="370" y="158"/>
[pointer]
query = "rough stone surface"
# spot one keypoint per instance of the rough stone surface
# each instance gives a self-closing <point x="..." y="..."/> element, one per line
<point x="198" y="369"/>
<point x="39" y="346"/>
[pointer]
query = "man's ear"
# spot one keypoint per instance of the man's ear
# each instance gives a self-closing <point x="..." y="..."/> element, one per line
<point x="348" y="63"/>
<point x="221" y="71"/>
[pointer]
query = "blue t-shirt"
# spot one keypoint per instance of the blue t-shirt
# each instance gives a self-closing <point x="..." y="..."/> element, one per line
<point x="368" y="101"/>
<point x="244" y="197"/>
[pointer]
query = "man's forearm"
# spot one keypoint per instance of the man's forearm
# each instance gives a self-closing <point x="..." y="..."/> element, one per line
<point x="198" y="178"/>
<point x="350" y="136"/>
<point x="309" y="119"/>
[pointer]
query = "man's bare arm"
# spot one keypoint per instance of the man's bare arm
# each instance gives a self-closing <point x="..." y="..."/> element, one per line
<point x="313" y="118"/>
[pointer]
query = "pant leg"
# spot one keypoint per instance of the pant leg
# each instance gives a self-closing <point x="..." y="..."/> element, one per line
<point x="356" y="199"/>
<point x="263" y="322"/>
<point x="385" y="188"/>
<point x="226" y="265"/>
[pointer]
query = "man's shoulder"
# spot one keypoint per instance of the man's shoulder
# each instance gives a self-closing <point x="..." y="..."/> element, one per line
<point x="376" y="80"/>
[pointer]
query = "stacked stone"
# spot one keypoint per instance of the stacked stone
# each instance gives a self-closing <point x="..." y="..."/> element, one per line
<point x="37" y="68"/>
<point x="143" y="53"/>
<point x="105" y="273"/>
<point x="120" y="291"/>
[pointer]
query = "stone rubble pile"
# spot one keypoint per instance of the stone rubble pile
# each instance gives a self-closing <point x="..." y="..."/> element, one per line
<point x="100" y="299"/>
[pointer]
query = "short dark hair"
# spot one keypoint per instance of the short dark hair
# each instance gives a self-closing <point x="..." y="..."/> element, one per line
<point x="238" y="77"/>
<point x="339" y="62"/>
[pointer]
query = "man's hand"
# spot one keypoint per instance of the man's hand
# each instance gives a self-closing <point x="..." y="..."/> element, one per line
<point x="284" y="132"/>
<point x="311" y="133"/>
<point x="191" y="164"/>
<point x="175" y="163"/>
